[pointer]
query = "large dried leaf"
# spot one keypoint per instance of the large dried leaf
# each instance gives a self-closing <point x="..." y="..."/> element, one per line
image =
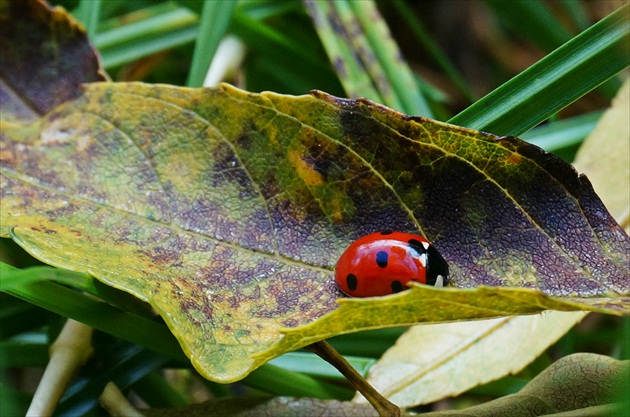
<point x="227" y="211"/>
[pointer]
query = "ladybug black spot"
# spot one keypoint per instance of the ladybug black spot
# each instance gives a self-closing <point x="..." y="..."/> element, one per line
<point x="386" y="232"/>
<point x="352" y="282"/>
<point x="417" y="246"/>
<point x="381" y="259"/>
<point x="397" y="286"/>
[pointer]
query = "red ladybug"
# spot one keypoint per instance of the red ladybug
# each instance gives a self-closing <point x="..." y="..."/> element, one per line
<point x="383" y="263"/>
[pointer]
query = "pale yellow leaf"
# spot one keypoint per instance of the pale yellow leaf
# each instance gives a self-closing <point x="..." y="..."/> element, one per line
<point x="605" y="157"/>
<point x="432" y="362"/>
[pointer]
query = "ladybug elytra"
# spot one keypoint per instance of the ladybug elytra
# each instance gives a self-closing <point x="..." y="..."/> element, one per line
<point x="383" y="263"/>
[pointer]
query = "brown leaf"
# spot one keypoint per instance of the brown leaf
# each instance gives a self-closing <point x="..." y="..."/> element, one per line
<point x="45" y="58"/>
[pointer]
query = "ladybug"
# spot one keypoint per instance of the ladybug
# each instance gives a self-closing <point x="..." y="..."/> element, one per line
<point x="383" y="263"/>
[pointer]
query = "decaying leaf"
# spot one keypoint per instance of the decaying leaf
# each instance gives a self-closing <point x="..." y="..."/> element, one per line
<point x="227" y="211"/>
<point x="45" y="58"/>
<point x="583" y="383"/>
<point x="266" y="406"/>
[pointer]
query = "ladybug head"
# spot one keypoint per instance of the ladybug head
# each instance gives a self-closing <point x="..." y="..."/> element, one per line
<point x="437" y="268"/>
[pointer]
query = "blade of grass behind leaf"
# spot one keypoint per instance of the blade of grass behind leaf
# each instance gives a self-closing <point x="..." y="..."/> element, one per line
<point x="568" y="133"/>
<point x="571" y="71"/>
<point x="129" y="52"/>
<point x="577" y="12"/>
<point x="123" y="364"/>
<point x="12" y="278"/>
<point x="389" y="58"/>
<point x="273" y="59"/>
<point x="155" y="22"/>
<point x="256" y="34"/>
<point x="18" y="316"/>
<point x="366" y="58"/>
<point x="276" y="380"/>
<point x="214" y="21"/>
<point x="349" y="68"/>
<point x="21" y="354"/>
<point x="309" y="363"/>
<point x="150" y="30"/>
<point x="156" y="391"/>
<point x="85" y="309"/>
<point x="533" y="20"/>
<point x="88" y="12"/>
<point x="266" y="9"/>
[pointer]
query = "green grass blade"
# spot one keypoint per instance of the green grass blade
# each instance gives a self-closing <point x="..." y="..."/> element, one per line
<point x="574" y="69"/>
<point x="280" y="59"/>
<point x="152" y="22"/>
<point x="18" y="316"/>
<point x="309" y="363"/>
<point x="20" y="353"/>
<point x="264" y="9"/>
<point x="390" y="60"/>
<point x="214" y="21"/>
<point x="134" y="50"/>
<point x="123" y="364"/>
<point x="367" y="344"/>
<point x="149" y="31"/>
<point x="88" y="12"/>
<point x="12" y="278"/>
<point x="12" y="401"/>
<point x="365" y="56"/>
<point x="279" y="381"/>
<point x="568" y="133"/>
<point x="350" y="69"/>
<point x="156" y="391"/>
<point x="260" y="36"/>
<point x="577" y="12"/>
<point x="85" y="309"/>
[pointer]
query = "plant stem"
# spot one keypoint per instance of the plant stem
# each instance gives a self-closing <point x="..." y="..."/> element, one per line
<point x="70" y="351"/>
<point x="383" y="406"/>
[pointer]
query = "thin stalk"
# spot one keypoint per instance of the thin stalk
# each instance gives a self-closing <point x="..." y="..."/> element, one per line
<point x="382" y="405"/>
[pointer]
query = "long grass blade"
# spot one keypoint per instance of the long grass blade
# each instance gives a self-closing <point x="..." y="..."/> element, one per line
<point x="574" y="69"/>
<point x="215" y="19"/>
